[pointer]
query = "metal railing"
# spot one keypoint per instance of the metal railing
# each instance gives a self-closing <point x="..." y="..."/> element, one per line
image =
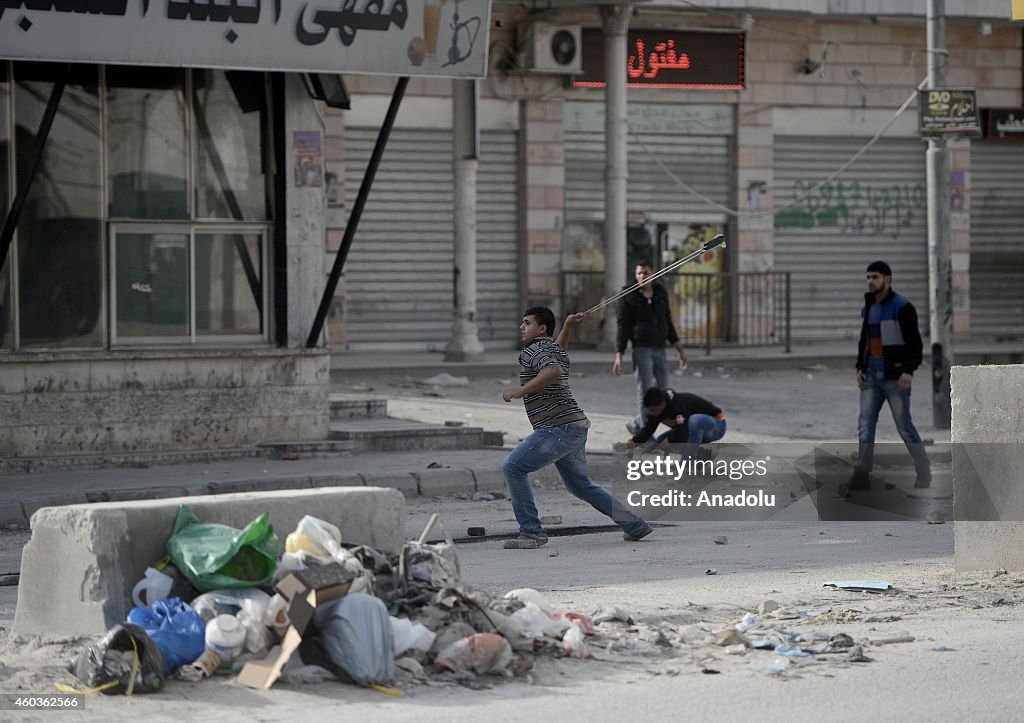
<point x="731" y="308"/>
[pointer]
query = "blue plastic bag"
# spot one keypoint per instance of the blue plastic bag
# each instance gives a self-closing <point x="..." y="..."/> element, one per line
<point x="175" y="627"/>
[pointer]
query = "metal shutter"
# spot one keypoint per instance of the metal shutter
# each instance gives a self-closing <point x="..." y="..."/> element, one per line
<point x="997" y="252"/>
<point x="700" y="161"/>
<point x="879" y="212"/>
<point x="398" y="275"/>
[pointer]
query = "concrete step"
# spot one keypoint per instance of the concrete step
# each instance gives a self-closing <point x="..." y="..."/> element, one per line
<point x="309" y="448"/>
<point x="383" y="435"/>
<point x="345" y="407"/>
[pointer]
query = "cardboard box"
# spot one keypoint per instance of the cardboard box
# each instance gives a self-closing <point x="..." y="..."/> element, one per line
<point x="261" y="674"/>
<point x="305" y="590"/>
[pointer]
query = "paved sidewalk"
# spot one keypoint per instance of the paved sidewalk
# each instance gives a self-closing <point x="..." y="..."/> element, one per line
<point x="463" y="472"/>
<point x="426" y="473"/>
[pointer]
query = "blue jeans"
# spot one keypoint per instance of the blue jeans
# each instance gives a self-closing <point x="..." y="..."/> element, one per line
<point x="565" y="446"/>
<point x="700" y="428"/>
<point x="880" y="390"/>
<point x="650" y="370"/>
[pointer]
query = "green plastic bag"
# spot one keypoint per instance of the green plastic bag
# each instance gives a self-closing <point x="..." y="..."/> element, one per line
<point x="218" y="557"/>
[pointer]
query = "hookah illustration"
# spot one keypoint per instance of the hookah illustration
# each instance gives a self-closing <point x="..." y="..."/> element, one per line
<point x="464" y="36"/>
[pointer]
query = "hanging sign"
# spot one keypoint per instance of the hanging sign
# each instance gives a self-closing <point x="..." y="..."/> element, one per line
<point x="391" y="37"/>
<point x="945" y="112"/>
<point x="670" y="59"/>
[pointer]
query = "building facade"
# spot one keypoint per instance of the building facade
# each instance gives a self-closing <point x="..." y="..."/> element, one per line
<point x="765" y="160"/>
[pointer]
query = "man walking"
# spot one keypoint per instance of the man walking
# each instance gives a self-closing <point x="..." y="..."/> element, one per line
<point x="889" y="352"/>
<point x="645" y="319"/>
<point x="559" y="433"/>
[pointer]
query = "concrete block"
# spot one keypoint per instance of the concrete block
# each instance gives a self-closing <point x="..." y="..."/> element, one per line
<point x="82" y="561"/>
<point x="988" y="459"/>
<point x="445" y="481"/>
<point x="489" y="480"/>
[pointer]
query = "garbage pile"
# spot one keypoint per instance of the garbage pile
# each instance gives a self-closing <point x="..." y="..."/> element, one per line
<point x="223" y="602"/>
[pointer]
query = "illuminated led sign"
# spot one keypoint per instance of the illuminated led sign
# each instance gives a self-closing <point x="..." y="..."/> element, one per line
<point x="670" y="59"/>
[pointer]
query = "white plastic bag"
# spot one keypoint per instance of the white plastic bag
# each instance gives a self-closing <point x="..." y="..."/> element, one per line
<point x="529" y="595"/>
<point x="409" y="635"/>
<point x="249" y="605"/>
<point x="315" y="536"/>
<point x="535" y="623"/>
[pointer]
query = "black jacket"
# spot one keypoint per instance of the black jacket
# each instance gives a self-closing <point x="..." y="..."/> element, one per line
<point x="681" y="404"/>
<point x="902" y="347"/>
<point x="643" y="322"/>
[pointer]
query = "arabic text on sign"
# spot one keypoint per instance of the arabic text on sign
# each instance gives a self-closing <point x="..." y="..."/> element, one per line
<point x="664" y="55"/>
<point x="347" y="21"/>
<point x="94" y="7"/>
<point x="218" y="11"/>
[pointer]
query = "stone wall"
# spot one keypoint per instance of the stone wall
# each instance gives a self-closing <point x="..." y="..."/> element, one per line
<point x="115" y="402"/>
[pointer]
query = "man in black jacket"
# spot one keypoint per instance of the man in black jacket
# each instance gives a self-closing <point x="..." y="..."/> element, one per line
<point x="645" y="319"/>
<point x="889" y="351"/>
<point x="691" y="419"/>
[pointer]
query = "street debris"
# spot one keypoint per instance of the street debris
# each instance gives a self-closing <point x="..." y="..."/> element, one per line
<point x="476" y="531"/>
<point x="551" y="520"/>
<point x="721" y="540"/>
<point x="711" y="571"/>
<point x="329" y="610"/>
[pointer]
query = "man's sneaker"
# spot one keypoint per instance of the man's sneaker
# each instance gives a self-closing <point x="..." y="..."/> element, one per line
<point x="632" y="427"/>
<point x="526" y="541"/>
<point x="923" y="480"/>
<point x="637" y="536"/>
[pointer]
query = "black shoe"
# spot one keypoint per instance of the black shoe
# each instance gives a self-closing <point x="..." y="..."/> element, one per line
<point x="526" y="541"/>
<point x="923" y="480"/>
<point x="637" y="536"/>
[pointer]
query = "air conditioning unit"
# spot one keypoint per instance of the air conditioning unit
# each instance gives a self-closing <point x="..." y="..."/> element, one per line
<point x="548" y="48"/>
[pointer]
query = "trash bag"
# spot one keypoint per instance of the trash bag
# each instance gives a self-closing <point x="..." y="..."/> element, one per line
<point x="215" y="557"/>
<point x="355" y="632"/>
<point x="106" y="665"/>
<point x="175" y="627"/>
<point x="480" y="653"/>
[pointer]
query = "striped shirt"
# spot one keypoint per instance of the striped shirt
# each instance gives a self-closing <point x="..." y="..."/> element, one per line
<point x="554" y="405"/>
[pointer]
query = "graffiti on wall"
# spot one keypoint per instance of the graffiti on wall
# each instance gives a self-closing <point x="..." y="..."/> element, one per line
<point x="854" y="207"/>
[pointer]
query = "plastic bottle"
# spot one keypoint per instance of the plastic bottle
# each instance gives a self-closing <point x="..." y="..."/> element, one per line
<point x="226" y="637"/>
<point x="155" y="585"/>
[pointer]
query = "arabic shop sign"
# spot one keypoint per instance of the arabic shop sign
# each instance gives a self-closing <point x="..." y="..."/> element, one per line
<point x="670" y="59"/>
<point x="946" y="112"/>
<point x="392" y="37"/>
<point x="1004" y="124"/>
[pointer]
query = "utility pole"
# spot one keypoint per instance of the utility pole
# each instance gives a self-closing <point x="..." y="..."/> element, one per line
<point x="465" y="344"/>
<point x="615" y="21"/>
<point x="940" y="274"/>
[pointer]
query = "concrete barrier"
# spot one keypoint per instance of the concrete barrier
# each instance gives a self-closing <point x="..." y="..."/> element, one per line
<point x="82" y="561"/>
<point x="988" y="467"/>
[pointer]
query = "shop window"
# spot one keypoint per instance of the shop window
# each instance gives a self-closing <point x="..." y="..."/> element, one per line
<point x="229" y="279"/>
<point x="230" y="121"/>
<point x="147" y="146"/>
<point x="59" y="245"/>
<point x="186" y="283"/>
<point x="148" y="217"/>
